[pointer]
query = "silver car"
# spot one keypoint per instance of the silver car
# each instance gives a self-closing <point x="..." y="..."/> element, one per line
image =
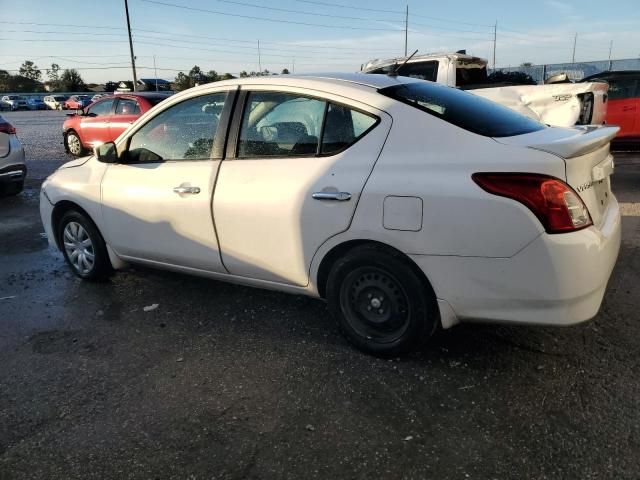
<point x="15" y="102"/>
<point x="13" y="169"/>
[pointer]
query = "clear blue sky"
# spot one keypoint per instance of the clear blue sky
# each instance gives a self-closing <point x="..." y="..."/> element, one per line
<point x="319" y="36"/>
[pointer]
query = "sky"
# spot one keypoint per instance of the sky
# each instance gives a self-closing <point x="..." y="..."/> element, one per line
<point x="304" y="35"/>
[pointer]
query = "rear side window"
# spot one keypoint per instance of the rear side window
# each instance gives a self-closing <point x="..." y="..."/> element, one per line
<point x="126" y="106"/>
<point x="276" y="124"/>
<point x="465" y="110"/>
<point x="343" y="126"/>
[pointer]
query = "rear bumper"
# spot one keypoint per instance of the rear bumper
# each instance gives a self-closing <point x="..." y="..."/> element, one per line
<point x="555" y="280"/>
<point x="13" y="174"/>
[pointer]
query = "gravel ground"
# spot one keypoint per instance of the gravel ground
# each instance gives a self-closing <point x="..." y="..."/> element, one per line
<point x="221" y="381"/>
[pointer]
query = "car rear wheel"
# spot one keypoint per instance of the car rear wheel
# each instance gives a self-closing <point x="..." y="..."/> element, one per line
<point x="381" y="305"/>
<point x="83" y="247"/>
<point x="74" y="145"/>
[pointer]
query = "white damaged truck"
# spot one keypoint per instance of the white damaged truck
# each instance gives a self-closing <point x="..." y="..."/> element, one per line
<point x="557" y="104"/>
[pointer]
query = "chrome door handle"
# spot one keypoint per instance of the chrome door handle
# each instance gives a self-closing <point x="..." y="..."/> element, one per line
<point x="182" y="190"/>
<point x="338" y="196"/>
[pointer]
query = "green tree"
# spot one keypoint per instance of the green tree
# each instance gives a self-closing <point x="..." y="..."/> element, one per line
<point x="212" y="76"/>
<point x="52" y="73"/>
<point x="244" y="74"/>
<point x="526" y="64"/>
<point x="71" y="81"/>
<point x="285" y="71"/>
<point x="227" y="76"/>
<point x="182" y="82"/>
<point x="30" y="70"/>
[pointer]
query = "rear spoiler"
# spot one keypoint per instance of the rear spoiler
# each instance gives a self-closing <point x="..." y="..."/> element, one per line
<point x="565" y="142"/>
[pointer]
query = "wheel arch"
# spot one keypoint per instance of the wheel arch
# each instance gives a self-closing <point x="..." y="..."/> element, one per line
<point x="341" y="249"/>
<point x="58" y="212"/>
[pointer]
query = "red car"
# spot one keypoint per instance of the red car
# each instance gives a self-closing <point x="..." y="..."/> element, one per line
<point x="77" y="102"/>
<point x="624" y="103"/>
<point x="104" y="120"/>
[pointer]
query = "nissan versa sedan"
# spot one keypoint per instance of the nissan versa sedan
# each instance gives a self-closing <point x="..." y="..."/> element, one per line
<point x="407" y="205"/>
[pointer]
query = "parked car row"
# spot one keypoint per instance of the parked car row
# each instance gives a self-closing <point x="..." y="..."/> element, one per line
<point x="409" y="206"/>
<point x="104" y="120"/>
<point x="49" y="102"/>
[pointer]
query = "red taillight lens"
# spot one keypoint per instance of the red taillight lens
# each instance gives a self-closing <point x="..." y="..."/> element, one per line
<point x="556" y="204"/>
<point x="6" y="127"/>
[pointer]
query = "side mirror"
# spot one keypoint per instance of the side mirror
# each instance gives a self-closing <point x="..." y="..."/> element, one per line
<point x="106" y="153"/>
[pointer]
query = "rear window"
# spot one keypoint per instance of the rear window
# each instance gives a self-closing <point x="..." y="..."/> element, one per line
<point x="465" y="110"/>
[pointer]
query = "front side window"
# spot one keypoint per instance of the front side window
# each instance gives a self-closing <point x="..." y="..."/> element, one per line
<point x="465" y="110"/>
<point x="184" y="131"/>
<point x="280" y="124"/>
<point x="127" y="106"/>
<point x="100" y="109"/>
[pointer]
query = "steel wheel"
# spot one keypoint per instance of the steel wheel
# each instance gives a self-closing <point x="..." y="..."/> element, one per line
<point x="74" y="144"/>
<point x="375" y="304"/>
<point x="79" y="248"/>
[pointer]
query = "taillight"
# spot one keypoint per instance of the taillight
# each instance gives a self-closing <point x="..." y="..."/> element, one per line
<point x="556" y="204"/>
<point x="6" y="127"/>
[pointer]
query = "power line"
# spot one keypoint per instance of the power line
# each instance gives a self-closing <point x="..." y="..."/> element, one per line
<point x="328" y="4"/>
<point x="265" y="19"/>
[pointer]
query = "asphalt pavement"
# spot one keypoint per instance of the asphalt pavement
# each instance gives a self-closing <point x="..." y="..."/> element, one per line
<point x="226" y="382"/>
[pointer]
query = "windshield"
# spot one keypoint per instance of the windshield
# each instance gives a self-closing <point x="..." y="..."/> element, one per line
<point x="465" y="110"/>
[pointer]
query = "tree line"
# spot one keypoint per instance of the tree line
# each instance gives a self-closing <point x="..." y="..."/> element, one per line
<point x="198" y="77"/>
<point x="29" y="79"/>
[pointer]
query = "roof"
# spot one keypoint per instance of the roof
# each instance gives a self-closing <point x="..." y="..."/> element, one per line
<point x="317" y="80"/>
<point x="377" y="63"/>
<point x="612" y="73"/>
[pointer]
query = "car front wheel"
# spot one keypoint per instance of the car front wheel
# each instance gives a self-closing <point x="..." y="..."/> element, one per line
<point x="380" y="303"/>
<point x="83" y="247"/>
<point x="74" y="145"/>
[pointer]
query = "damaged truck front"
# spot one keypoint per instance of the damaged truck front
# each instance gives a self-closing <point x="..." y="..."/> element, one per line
<point x="558" y="104"/>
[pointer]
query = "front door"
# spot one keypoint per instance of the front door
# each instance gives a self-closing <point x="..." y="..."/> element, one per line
<point x="157" y="204"/>
<point x="94" y="125"/>
<point x="300" y="165"/>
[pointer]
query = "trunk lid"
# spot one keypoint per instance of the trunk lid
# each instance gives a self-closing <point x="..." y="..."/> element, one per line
<point x="588" y="162"/>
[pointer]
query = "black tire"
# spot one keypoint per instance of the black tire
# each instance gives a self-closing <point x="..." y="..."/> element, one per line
<point x="11" y="189"/>
<point x="380" y="303"/>
<point x="74" y="144"/>
<point x="100" y="267"/>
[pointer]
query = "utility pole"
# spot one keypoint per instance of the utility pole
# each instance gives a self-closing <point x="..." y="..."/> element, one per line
<point x="133" y="58"/>
<point x="610" y="49"/>
<point x="573" y="56"/>
<point x="293" y="65"/>
<point x="406" y="30"/>
<point x="495" y="38"/>
<point x="155" y="72"/>
<point x="259" y="60"/>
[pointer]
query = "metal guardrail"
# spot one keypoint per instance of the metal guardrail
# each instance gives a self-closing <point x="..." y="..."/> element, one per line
<point x="575" y="71"/>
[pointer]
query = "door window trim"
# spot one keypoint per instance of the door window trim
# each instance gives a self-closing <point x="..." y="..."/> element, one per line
<point x="233" y="143"/>
<point x="219" y="140"/>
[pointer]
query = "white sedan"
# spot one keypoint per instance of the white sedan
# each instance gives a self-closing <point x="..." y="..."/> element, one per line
<point x="405" y="204"/>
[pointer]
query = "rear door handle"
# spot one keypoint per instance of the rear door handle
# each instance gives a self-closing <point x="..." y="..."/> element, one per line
<point x="191" y="190"/>
<point x="337" y="196"/>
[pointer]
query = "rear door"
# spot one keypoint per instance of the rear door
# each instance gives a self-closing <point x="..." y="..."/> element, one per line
<point x="623" y="105"/>
<point x="126" y="112"/>
<point x="94" y="125"/>
<point x="296" y="165"/>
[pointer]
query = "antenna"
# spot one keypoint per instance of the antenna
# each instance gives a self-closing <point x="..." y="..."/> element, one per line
<point x="395" y="69"/>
